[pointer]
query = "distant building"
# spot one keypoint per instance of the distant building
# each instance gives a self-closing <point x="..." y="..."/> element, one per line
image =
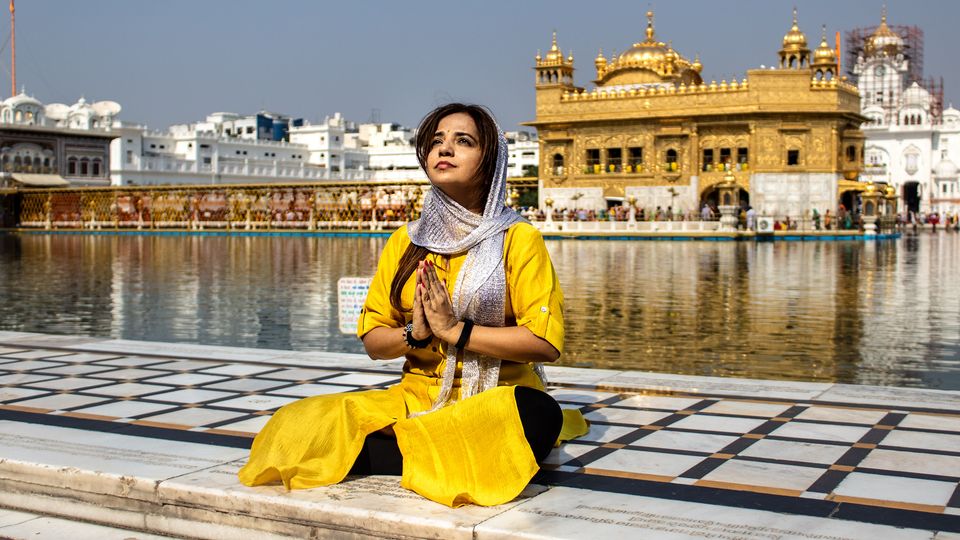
<point x="912" y="143"/>
<point x="55" y="145"/>
<point x="228" y="148"/>
<point x="71" y="145"/>
<point x="524" y="150"/>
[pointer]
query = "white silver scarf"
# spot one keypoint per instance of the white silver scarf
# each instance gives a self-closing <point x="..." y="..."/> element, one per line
<point x="447" y="228"/>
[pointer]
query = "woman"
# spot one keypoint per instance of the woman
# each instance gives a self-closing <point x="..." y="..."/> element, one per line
<point x="468" y="295"/>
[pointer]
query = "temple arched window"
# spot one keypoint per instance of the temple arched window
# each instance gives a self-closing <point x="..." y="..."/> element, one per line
<point x="17" y="163"/>
<point x="96" y="166"/>
<point x="558" y="164"/>
<point x="72" y="166"/>
<point x="793" y="157"/>
<point x="670" y="158"/>
<point x="851" y="153"/>
<point x="37" y="163"/>
<point x="46" y="165"/>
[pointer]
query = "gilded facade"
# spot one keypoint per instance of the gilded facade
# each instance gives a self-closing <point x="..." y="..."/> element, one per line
<point x="652" y="129"/>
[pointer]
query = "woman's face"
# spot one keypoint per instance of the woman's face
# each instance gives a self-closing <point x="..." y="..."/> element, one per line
<point x="455" y="156"/>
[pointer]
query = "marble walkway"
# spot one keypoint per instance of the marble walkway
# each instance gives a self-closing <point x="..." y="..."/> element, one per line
<point x="102" y="434"/>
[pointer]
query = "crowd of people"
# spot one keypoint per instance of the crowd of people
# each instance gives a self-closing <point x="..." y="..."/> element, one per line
<point x="813" y="219"/>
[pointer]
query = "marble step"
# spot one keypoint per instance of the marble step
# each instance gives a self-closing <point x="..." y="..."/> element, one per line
<point x="190" y="490"/>
<point x="27" y="526"/>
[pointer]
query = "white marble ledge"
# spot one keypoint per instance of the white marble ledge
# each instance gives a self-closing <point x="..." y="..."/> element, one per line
<point x="373" y="505"/>
<point x="38" y="457"/>
<point x="893" y="396"/>
<point x="35" y="341"/>
<point x="664" y="382"/>
<point x="563" y="513"/>
<point x="6" y="334"/>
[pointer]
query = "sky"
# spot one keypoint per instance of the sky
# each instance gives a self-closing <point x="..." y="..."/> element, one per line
<point x="175" y="61"/>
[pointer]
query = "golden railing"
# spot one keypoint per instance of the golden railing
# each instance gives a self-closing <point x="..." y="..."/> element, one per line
<point x="370" y="205"/>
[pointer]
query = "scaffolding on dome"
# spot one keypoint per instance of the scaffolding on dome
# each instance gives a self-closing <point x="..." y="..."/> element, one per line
<point x="912" y="37"/>
<point x="934" y="85"/>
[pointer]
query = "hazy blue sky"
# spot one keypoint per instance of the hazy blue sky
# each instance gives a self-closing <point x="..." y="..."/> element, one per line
<point x="173" y="61"/>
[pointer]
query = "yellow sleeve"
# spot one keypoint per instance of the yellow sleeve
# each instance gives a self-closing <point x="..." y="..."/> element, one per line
<point x="535" y="293"/>
<point x="377" y="310"/>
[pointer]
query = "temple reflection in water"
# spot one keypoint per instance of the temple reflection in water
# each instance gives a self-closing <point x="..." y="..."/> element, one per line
<point x="868" y="312"/>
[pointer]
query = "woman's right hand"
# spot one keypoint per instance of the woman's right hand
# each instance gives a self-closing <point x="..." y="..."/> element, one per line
<point x="421" y="328"/>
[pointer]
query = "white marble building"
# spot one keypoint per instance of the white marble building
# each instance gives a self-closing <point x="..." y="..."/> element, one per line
<point x="909" y="144"/>
<point x="225" y="148"/>
<point x="55" y="145"/>
<point x="524" y="149"/>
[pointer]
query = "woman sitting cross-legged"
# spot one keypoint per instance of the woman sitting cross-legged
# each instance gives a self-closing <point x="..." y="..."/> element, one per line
<point x="468" y="294"/>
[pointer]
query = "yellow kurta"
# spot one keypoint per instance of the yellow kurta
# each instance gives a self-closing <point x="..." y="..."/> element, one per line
<point x="473" y="451"/>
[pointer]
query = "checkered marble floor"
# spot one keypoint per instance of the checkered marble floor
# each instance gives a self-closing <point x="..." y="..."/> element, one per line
<point x="866" y="454"/>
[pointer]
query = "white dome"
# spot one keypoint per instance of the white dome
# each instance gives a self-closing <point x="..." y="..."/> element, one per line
<point x="945" y="169"/>
<point x="81" y="105"/>
<point x="20" y="100"/>
<point x="916" y="96"/>
<point x="951" y="114"/>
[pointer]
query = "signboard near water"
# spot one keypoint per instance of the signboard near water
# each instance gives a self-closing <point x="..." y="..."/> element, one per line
<point x="351" y="293"/>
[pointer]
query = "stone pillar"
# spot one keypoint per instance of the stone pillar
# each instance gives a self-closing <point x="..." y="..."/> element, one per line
<point x="890" y="197"/>
<point x="728" y="196"/>
<point x="870" y="199"/>
<point x="548" y="223"/>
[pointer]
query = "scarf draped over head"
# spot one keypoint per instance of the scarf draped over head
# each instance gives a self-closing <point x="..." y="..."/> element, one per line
<point x="447" y="228"/>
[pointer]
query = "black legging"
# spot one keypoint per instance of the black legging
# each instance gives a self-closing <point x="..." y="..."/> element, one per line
<point x="539" y="413"/>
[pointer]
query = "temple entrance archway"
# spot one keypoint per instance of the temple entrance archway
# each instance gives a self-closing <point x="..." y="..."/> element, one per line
<point x="711" y="197"/>
<point x="911" y="196"/>
<point x="850" y="200"/>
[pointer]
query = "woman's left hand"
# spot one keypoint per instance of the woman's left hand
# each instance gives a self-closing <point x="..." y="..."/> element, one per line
<point x="436" y="302"/>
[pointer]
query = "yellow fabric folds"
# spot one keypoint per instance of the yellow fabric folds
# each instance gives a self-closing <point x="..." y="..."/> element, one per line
<point x="472" y="451"/>
<point x="574" y="425"/>
<point x="314" y="442"/>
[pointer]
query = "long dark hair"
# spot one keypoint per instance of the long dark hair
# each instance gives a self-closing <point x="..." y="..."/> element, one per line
<point x="489" y="138"/>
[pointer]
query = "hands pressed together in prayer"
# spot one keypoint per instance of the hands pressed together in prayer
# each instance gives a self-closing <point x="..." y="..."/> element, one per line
<point x="433" y="316"/>
<point x="432" y="307"/>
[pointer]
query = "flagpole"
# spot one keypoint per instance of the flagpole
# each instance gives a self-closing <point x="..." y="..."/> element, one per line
<point x="13" y="51"/>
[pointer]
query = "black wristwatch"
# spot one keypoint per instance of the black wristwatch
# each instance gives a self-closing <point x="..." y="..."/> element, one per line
<point x="412" y="342"/>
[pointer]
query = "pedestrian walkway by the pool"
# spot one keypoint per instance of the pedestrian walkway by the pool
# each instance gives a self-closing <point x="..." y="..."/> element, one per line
<point x="149" y="436"/>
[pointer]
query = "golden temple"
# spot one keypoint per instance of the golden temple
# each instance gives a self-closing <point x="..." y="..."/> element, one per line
<point x="653" y="131"/>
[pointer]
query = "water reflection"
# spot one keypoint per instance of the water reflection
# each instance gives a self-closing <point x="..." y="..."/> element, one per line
<point x="873" y="313"/>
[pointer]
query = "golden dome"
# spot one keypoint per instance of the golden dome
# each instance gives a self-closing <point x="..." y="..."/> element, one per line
<point x="649" y="61"/>
<point x="696" y="66"/>
<point x="554" y="54"/>
<point x="824" y="55"/>
<point x="883" y="41"/>
<point x="600" y="61"/>
<point x="794" y="40"/>
<point x="647" y="52"/>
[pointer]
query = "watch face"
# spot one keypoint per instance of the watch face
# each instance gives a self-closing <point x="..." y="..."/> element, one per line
<point x="879" y="71"/>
